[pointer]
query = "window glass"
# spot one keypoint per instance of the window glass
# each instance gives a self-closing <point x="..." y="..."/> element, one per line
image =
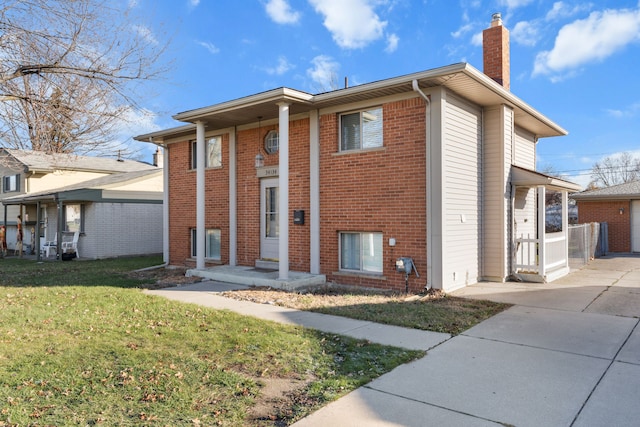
<point x="11" y="183"/>
<point x="272" y="142"/>
<point x="211" y="243"/>
<point x="361" y="130"/>
<point x="73" y="218"/>
<point x="213" y="149"/>
<point x="361" y="252"/>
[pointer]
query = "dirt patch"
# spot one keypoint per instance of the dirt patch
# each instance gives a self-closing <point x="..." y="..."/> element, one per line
<point x="275" y="404"/>
<point x="327" y="296"/>
<point x="163" y="277"/>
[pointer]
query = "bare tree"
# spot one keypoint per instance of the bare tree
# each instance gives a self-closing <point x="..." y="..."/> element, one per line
<point x="615" y="170"/>
<point x="70" y="72"/>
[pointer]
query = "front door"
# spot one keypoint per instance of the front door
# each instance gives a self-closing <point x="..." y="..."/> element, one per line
<point x="269" y="228"/>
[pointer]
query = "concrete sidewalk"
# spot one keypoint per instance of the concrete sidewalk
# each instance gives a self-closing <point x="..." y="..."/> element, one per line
<point x="567" y="354"/>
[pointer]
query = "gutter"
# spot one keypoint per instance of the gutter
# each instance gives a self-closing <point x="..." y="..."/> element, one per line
<point x="427" y="120"/>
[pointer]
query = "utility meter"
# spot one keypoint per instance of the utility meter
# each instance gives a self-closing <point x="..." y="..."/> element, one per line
<point x="405" y="265"/>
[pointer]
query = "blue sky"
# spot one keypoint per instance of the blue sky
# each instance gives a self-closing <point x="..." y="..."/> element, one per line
<point x="574" y="61"/>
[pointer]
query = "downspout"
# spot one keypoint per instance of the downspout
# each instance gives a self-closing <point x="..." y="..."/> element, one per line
<point x="427" y="120"/>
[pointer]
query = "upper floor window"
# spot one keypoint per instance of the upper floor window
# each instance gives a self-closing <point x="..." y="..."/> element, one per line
<point x="11" y="183"/>
<point x="213" y="153"/>
<point x="272" y="142"/>
<point x="361" y="130"/>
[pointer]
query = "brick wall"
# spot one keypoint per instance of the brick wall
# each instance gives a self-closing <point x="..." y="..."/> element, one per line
<point x="496" y="57"/>
<point x="609" y="211"/>
<point x="376" y="191"/>
<point x="182" y="203"/>
<point x="381" y="190"/>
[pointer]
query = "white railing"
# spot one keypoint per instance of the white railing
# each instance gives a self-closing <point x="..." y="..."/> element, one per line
<point x="526" y="254"/>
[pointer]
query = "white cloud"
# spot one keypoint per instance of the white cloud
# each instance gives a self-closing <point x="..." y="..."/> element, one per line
<point x="587" y="40"/>
<point x="352" y="23"/>
<point x="280" y="12"/>
<point x="392" y="43"/>
<point x="462" y="31"/>
<point x="146" y="33"/>
<point x="194" y="3"/>
<point x="631" y="111"/>
<point x="213" y="49"/>
<point x="476" y="40"/>
<point x="324" y="71"/>
<point x="525" y="33"/>
<point x="514" y="4"/>
<point x="282" y="67"/>
<point x="562" y="10"/>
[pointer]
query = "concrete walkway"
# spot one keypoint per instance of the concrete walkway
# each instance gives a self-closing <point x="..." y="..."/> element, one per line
<point x="566" y="354"/>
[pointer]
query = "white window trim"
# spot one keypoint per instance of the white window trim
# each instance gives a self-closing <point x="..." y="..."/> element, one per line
<point x="192" y="241"/>
<point x="206" y="159"/>
<point x="360" y="271"/>
<point x="360" y="111"/>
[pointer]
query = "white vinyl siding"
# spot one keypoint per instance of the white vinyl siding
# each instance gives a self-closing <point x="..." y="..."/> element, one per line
<point x="498" y="125"/>
<point x="524" y="154"/>
<point x="461" y="194"/>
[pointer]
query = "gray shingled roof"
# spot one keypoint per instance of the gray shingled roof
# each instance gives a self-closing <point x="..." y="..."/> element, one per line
<point x="629" y="190"/>
<point x="37" y="160"/>
<point x="103" y="182"/>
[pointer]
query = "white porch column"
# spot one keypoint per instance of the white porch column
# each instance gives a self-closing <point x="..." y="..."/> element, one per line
<point x="233" y="205"/>
<point x="283" y="182"/>
<point x="165" y="204"/>
<point x="542" y="232"/>
<point x="200" y="162"/>
<point x="314" y="203"/>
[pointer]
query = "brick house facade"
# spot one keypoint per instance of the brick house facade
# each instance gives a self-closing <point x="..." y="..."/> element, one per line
<point x="427" y="181"/>
<point x="619" y="207"/>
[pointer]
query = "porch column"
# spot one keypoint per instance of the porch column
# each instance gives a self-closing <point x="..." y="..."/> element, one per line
<point x="165" y="204"/>
<point x="314" y="184"/>
<point x="233" y="197"/>
<point x="200" y="162"/>
<point x="283" y="182"/>
<point x="542" y="232"/>
<point x="37" y="228"/>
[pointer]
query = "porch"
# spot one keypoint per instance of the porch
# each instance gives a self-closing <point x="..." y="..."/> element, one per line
<point x="540" y="236"/>
<point x="253" y="276"/>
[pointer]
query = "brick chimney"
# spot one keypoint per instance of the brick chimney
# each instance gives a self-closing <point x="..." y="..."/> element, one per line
<point x="495" y="47"/>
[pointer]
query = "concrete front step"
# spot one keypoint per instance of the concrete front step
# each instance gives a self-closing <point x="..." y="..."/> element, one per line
<point x="251" y="276"/>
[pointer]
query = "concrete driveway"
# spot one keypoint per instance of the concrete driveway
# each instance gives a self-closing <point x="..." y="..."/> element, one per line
<point x="566" y="354"/>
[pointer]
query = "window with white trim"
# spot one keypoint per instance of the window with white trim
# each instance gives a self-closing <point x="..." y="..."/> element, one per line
<point x="361" y="252"/>
<point x="74" y="218"/>
<point x="211" y="243"/>
<point x="213" y="151"/>
<point x="11" y="183"/>
<point x="361" y="130"/>
<point x="272" y="142"/>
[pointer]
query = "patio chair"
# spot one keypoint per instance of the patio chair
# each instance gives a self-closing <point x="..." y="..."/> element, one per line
<point x="50" y="245"/>
<point x="71" y="246"/>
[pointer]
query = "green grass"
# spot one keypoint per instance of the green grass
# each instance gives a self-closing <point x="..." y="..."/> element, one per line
<point x="80" y="344"/>
<point x="446" y="314"/>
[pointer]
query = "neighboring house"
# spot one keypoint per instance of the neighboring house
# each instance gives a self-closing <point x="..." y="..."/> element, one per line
<point x="115" y="205"/>
<point x="619" y="207"/>
<point x="437" y="166"/>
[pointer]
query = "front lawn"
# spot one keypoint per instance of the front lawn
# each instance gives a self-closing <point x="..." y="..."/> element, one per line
<point x="80" y="344"/>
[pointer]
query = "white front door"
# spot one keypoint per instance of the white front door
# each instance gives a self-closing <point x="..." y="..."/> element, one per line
<point x="635" y="226"/>
<point x="269" y="230"/>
